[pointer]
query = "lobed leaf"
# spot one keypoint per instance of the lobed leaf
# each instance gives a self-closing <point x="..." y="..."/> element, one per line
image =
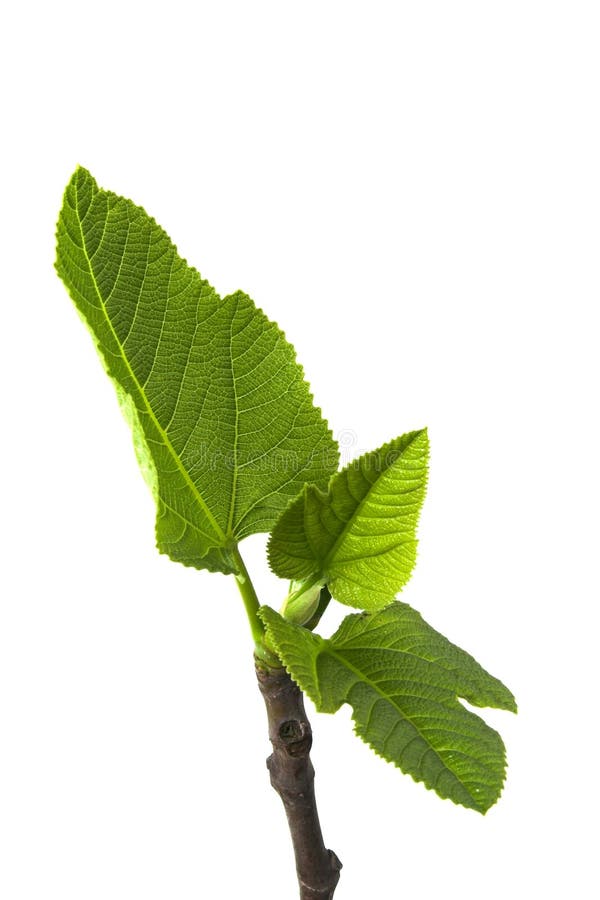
<point x="359" y="536"/>
<point x="224" y="424"/>
<point x="403" y="680"/>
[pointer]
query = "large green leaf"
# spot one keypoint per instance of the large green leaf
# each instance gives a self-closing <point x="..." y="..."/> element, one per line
<point x="403" y="680"/>
<point x="223" y="421"/>
<point x="360" y="535"/>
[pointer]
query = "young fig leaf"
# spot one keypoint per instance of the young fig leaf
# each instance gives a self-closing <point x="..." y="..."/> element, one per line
<point x="224" y="424"/>
<point x="403" y="681"/>
<point x="359" y="536"/>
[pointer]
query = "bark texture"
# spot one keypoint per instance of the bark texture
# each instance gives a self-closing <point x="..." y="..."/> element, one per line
<point x="292" y="776"/>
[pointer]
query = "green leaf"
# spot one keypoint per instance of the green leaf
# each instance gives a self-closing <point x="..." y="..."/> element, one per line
<point x="359" y="536"/>
<point x="403" y="680"/>
<point x="223" y="421"/>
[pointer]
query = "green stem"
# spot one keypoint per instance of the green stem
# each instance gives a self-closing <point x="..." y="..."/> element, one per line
<point x="252" y="605"/>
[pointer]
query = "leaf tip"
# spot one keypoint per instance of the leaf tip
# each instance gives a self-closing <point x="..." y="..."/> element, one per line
<point x="80" y="176"/>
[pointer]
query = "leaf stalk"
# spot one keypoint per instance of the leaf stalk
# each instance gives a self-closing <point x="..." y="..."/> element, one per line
<point x="262" y="653"/>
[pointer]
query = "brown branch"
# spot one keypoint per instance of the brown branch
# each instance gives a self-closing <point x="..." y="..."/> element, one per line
<point x="292" y="776"/>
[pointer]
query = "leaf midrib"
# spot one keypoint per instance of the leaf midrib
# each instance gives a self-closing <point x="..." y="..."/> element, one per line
<point x="236" y="425"/>
<point x="165" y="438"/>
<point x="326" y="561"/>
<point x="366" y="680"/>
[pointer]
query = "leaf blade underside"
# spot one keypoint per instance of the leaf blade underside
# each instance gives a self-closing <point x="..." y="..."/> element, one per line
<point x="223" y="420"/>
<point x="359" y="536"/>
<point x="403" y="680"/>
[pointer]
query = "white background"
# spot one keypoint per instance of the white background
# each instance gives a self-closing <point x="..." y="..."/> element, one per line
<point x="412" y="191"/>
